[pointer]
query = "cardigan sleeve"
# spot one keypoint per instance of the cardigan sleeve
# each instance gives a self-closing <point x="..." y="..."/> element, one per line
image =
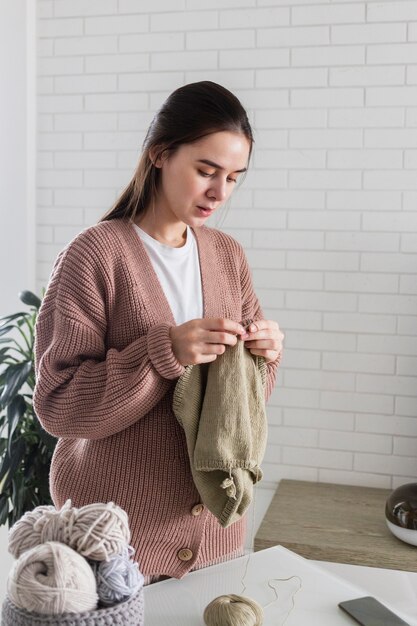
<point x="84" y="390"/>
<point x="251" y="309"/>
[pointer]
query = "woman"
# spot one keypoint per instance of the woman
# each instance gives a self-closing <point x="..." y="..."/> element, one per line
<point x="131" y="301"/>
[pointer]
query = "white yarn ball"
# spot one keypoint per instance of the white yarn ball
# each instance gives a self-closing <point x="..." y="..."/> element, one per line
<point x="51" y="579"/>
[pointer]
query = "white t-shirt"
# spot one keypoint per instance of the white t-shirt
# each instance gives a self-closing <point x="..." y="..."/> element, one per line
<point x="178" y="270"/>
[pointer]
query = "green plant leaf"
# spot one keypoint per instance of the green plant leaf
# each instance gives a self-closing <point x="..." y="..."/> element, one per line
<point x="25" y="448"/>
<point x="4" y="508"/>
<point x="15" y="412"/>
<point x="12" y="463"/>
<point x="20" y="489"/>
<point x="29" y="298"/>
<point x="16" y="375"/>
<point x="23" y="335"/>
<point x="47" y="439"/>
<point x="4" y="469"/>
<point x="13" y="316"/>
<point x="5" y="329"/>
<point x="14" y="345"/>
<point x="4" y="354"/>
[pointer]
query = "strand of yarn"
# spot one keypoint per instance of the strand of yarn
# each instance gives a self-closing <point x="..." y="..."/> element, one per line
<point x="273" y="579"/>
<point x="233" y="610"/>
<point x="118" y="578"/>
<point x="276" y="593"/>
<point x="51" y="579"/>
<point x="238" y="610"/>
<point x="97" y="531"/>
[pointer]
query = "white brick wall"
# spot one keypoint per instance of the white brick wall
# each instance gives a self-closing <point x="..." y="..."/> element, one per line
<point x="326" y="215"/>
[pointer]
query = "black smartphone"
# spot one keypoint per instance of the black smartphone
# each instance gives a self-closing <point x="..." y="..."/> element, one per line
<point x="368" y="611"/>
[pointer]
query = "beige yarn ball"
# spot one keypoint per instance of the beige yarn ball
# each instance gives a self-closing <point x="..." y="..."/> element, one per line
<point x="233" y="610"/>
<point x="22" y="536"/>
<point x="51" y="579"/>
<point x="98" y="531"/>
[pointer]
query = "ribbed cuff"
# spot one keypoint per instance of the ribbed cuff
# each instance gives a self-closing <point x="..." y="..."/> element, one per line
<point x="161" y="354"/>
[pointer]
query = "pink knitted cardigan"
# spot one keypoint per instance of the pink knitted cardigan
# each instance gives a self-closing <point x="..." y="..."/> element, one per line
<point x="105" y="375"/>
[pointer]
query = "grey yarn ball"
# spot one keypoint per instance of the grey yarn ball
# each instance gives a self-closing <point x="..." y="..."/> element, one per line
<point x="118" y="578"/>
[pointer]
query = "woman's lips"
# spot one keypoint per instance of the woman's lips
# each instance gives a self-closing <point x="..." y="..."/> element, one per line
<point x="205" y="211"/>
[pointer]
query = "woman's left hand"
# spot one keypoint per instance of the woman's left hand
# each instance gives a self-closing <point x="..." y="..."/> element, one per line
<point x="264" y="338"/>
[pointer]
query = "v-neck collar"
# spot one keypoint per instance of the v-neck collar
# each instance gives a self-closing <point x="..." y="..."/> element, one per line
<point x="148" y="281"/>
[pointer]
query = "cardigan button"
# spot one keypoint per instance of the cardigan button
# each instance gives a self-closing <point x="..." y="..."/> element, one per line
<point x="184" y="554"/>
<point x="197" y="509"/>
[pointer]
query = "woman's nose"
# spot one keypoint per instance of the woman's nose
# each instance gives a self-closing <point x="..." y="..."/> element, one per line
<point x="218" y="191"/>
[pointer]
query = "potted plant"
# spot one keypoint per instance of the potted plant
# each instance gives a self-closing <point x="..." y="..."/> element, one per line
<point x="25" y="447"/>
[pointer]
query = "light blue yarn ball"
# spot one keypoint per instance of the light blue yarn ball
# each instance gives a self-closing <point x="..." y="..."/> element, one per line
<point x="118" y="578"/>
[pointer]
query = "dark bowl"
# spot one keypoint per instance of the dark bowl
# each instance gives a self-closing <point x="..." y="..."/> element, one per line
<point x="401" y="513"/>
<point x="401" y="506"/>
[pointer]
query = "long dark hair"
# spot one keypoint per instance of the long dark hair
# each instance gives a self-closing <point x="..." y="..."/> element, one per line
<point x="188" y="114"/>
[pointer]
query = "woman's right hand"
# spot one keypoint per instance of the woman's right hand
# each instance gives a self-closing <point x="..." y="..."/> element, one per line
<point x="202" y="340"/>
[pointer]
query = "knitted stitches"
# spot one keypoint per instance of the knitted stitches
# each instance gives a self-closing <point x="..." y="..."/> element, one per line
<point x="221" y="407"/>
<point x="105" y="379"/>
<point x="129" y="612"/>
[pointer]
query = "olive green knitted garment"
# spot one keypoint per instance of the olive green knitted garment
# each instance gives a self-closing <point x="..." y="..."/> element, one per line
<point x="221" y="406"/>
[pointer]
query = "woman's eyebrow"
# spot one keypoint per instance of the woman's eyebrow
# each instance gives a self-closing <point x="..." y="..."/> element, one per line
<point x="219" y="167"/>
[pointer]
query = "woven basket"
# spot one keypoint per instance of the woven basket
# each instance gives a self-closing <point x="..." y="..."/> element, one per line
<point x="128" y="613"/>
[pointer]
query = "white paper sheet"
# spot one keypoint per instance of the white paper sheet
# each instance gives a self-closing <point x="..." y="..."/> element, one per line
<point x="182" y="602"/>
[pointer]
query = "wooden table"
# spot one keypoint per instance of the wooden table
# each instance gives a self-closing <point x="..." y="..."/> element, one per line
<point x="339" y="523"/>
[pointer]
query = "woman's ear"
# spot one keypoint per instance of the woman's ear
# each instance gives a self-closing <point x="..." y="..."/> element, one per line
<point x="157" y="155"/>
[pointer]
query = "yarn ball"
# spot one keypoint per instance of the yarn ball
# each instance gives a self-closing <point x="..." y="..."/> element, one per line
<point x="21" y="535"/>
<point x="100" y="531"/>
<point x="118" y="578"/>
<point x="97" y="531"/>
<point x="50" y="579"/>
<point x="233" y="610"/>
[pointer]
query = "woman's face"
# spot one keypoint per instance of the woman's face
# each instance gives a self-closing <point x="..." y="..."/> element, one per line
<point x="199" y="177"/>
